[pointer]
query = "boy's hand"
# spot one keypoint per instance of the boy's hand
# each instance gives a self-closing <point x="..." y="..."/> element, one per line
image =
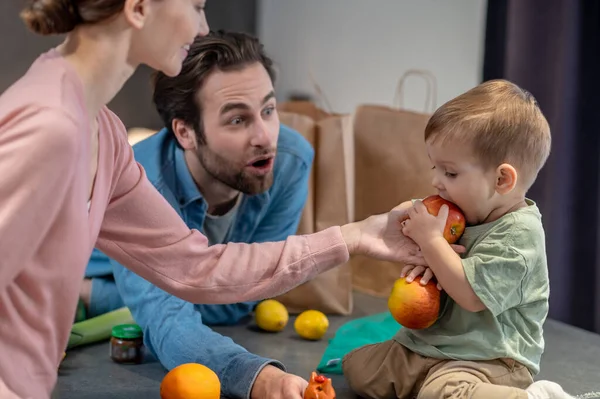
<point x="422" y="226"/>
<point x="411" y="272"/>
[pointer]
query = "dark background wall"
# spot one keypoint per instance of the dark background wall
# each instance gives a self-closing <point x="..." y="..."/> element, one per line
<point x="552" y="49"/>
<point x="19" y="47"/>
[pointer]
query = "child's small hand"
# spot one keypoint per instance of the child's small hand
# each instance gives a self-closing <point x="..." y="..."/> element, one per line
<point x="411" y="272"/>
<point x="422" y="226"/>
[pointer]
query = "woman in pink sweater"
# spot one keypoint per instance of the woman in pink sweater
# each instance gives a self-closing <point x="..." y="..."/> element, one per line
<point x="69" y="182"/>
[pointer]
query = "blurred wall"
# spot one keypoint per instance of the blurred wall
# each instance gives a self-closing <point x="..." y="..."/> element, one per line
<point x="19" y="48"/>
<point x="358" y="49"/>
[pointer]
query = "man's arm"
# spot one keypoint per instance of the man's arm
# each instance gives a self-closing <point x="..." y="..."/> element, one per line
<point x="189" y="339"/>
<point x="175" y="333"/>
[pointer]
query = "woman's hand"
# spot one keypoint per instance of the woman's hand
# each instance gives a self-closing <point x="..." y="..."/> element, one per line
<point x="380" y="237"/>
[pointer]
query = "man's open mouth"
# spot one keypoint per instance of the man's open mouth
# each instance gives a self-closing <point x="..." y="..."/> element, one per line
<point x="262" y="163"/>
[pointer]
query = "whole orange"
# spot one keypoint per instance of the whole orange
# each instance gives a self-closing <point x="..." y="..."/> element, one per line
<point x="190" y="380"/>
<point x="414" y="305"/>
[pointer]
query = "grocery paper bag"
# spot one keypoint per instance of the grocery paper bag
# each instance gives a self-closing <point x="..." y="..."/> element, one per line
<point x="330" y="201"/>
<point x="392" y="166"/>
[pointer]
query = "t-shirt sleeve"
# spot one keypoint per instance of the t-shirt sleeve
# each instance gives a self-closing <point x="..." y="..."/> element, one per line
<point x="496" y="269"/>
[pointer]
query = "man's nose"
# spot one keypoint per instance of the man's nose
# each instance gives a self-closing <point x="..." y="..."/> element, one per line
<point x="261" y="136"/>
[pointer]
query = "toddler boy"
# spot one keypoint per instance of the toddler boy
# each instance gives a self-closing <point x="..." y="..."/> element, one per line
<point x="487" y="147"/>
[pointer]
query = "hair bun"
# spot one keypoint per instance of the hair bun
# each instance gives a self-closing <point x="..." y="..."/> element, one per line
<point x="48" y="17"/>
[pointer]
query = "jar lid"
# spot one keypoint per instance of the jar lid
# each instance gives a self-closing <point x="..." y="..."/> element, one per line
<point x="127" y="331"/>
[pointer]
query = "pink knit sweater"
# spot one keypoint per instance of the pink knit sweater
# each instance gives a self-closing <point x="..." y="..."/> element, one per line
<point x="47" y="234"/>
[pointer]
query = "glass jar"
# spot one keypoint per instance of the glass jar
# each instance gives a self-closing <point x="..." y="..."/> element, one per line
<point x="126" y="344"/>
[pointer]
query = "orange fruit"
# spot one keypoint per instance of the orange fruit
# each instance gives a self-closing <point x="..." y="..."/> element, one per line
<point x="190" y="380"/>
<point x="413" y="305"/>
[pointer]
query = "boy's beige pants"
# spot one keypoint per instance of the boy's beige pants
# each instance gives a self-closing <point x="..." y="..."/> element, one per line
<point x="389" y="370"/>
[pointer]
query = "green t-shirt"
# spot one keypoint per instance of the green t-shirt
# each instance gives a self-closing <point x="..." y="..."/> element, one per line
<point x="506" y="265"/>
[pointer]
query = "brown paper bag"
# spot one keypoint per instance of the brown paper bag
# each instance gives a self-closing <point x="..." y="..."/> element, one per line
<point x="306" y="126"/>
<point x="392" y="166"/>
<point x="330" y="201"/>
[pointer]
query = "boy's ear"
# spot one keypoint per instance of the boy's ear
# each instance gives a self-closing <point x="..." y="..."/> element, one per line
<point x="506" y="178"/>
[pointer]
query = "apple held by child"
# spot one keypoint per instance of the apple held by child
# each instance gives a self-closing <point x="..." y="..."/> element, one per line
<point x="455" y="223"/>
<point x="414" y="305"/>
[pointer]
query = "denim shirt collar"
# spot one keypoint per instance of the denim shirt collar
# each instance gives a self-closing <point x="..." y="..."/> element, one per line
<point x="187" y="191"/>
<point x="251" y="208"/>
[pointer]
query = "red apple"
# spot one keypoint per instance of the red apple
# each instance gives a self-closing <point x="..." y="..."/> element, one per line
<point x="455" y="224"/>
<point x="414" y="305"/>
<point x="411" y="304"/>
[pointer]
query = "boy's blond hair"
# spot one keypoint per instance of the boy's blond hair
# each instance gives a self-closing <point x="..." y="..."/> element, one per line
<point x="501" y="122"/>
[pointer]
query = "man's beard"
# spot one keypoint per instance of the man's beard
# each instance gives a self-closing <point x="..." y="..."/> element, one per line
<point x="232" y="175"/>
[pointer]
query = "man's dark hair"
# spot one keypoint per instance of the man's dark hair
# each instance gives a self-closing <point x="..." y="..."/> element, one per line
<point x="176" y="97"/>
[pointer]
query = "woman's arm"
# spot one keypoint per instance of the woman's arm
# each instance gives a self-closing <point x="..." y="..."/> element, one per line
<point x="142" y="232"/>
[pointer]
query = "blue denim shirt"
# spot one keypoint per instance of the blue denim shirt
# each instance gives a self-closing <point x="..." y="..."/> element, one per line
<point x="176" y="331"/>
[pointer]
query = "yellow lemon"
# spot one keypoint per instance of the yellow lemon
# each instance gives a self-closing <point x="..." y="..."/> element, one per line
<point x="271" y="315"/>
<point x="190" y="381"/>
<point x="311" y="324"/>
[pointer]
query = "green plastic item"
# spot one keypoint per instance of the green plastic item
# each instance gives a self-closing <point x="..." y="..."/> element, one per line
<point x="98" y="328"/>
<point x="127" y="331"/>
<point x="355" y="334"/>
<point x="81" y="313"/>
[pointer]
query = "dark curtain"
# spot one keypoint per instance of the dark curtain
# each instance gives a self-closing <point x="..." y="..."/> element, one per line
<point x="552" y="49"/>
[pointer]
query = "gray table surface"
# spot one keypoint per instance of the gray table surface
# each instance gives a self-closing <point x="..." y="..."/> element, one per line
<point x="572" y="358"/>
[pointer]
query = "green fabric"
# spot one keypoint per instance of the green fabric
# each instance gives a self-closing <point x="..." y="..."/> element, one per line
<point x="505" y="264"/>
<point x="354" y="334"/>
